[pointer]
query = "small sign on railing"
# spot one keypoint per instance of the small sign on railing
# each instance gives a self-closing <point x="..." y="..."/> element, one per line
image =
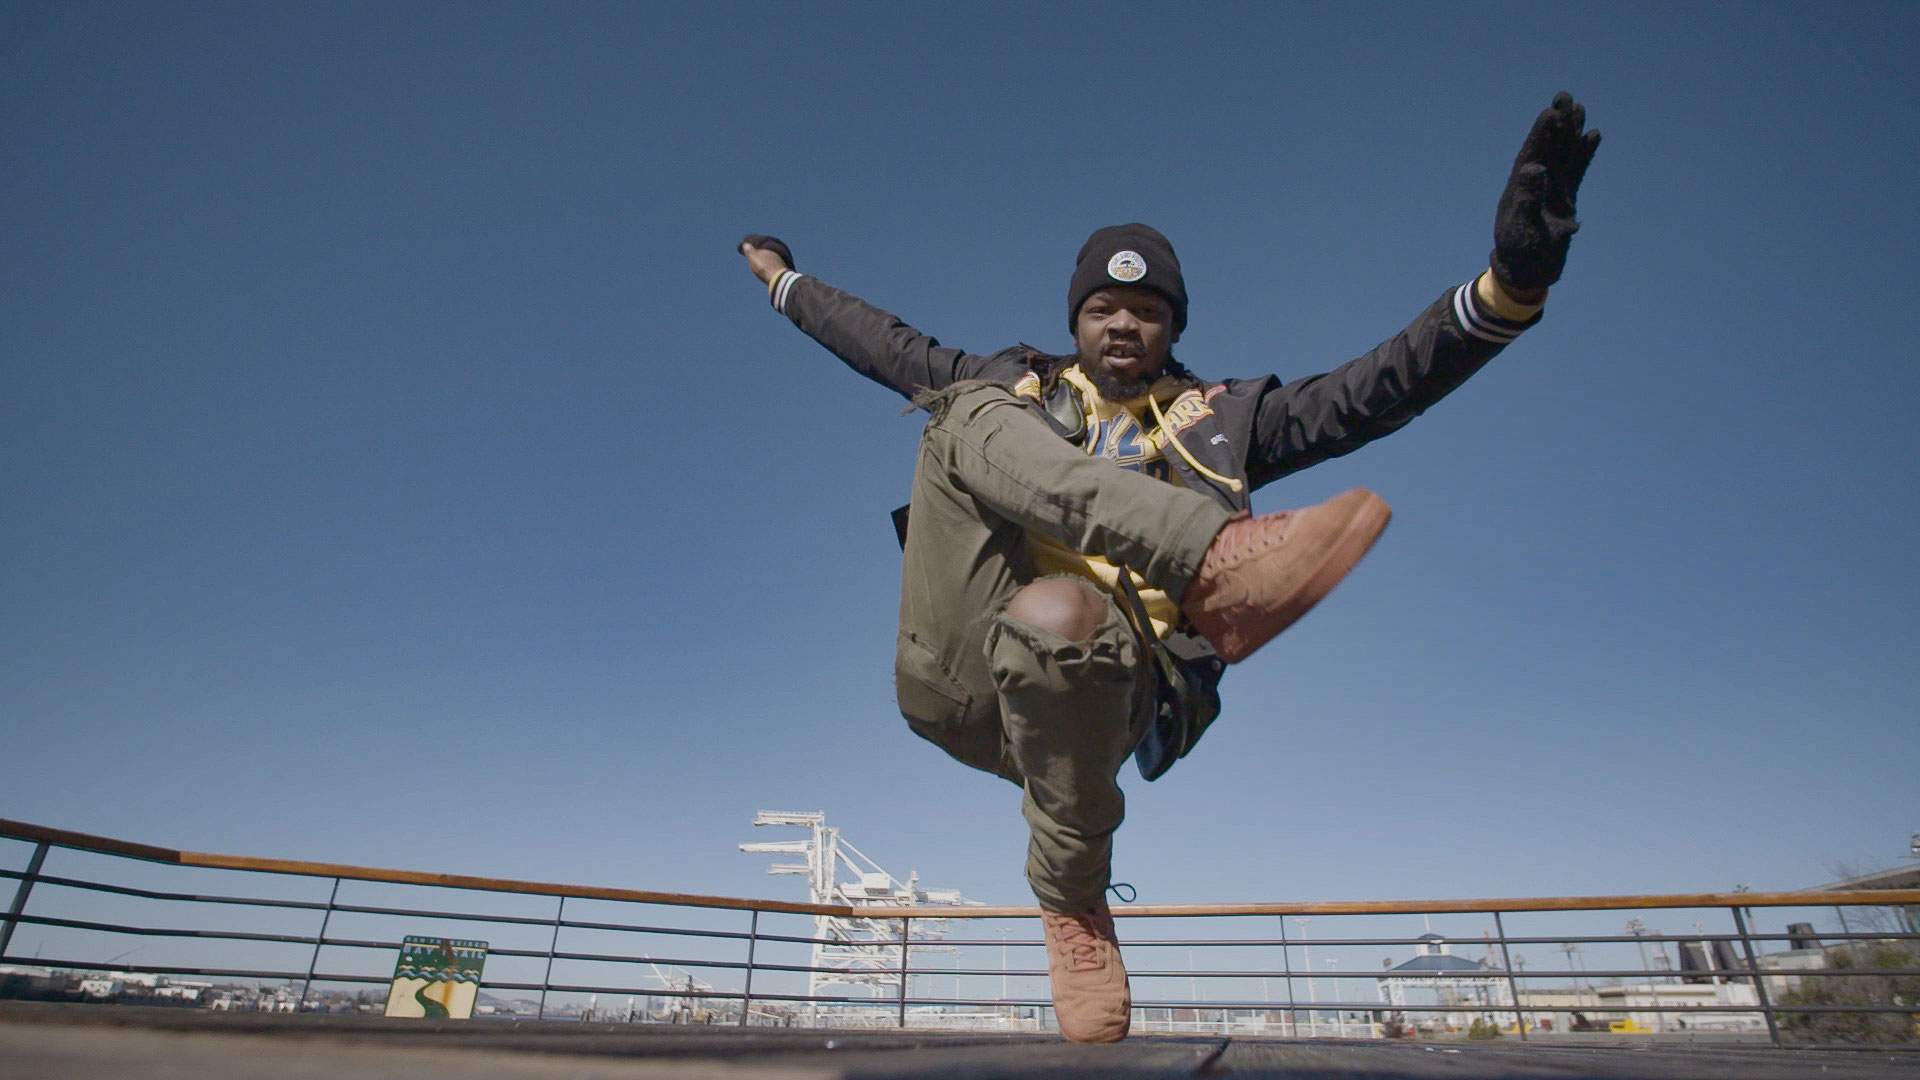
<point x="436" y="978"/>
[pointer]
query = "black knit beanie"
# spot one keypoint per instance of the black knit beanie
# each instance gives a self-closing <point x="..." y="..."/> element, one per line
<point x="1133" y="254"/>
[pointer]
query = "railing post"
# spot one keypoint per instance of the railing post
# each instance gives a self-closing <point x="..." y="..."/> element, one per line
<point x="553" y="946"/>
<point x="1513" y="987"/>
<point x="1759" y="981"/>
<point x="746" y="995"/>
<point x="314" y="963"/>
<point x="1286" y="965"/>
<point x="20" y="895"/>
<point x="906" y="931"/>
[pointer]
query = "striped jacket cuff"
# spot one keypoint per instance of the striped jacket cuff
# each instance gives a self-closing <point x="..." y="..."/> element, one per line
<point x="781" y="287"/>
<point x="1475" y="318"/>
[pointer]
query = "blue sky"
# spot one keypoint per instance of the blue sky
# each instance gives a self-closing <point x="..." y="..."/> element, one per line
<point x="401" y="469"/>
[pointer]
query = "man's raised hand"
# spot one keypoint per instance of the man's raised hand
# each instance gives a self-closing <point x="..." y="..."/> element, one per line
<point x="1535" y="221"/>
<point x="766" y="255"/>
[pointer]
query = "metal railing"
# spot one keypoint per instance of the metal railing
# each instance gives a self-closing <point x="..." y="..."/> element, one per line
<point x="1856" y="986"/>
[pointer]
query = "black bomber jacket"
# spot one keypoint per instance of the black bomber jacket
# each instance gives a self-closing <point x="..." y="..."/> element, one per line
<point x="1250" y="432"/>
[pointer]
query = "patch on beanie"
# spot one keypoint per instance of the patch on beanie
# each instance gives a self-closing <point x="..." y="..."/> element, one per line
<point x="1126" y="266"/>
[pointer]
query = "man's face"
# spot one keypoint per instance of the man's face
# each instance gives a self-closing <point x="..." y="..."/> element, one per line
<point x="1124" y="336"/>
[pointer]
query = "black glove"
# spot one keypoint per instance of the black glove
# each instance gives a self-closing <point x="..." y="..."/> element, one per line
<point x="1534" y="224"/>
<point x="769" y="243"/>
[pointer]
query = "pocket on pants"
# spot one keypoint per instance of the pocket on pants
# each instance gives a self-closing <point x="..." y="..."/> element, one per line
<point x="937" y="707"/>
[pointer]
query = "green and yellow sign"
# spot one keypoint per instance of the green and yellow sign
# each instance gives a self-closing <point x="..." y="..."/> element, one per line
<point x="436" y="978"/>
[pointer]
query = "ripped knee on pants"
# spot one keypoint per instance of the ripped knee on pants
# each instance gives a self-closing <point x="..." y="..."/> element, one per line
<point x="1066" y="606"/>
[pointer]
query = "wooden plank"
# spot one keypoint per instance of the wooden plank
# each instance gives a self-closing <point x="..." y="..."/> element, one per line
<point x="67" y="1040"/>
<point x="1510" y="1060"/>
<point x="149" y="853"/>
<point x="86" y="842"/>
<point x="539" y="888"/>
<point x="30" y="1052"/>
<point x="1053" y="1059"/>
<point x="86" y="1041"/>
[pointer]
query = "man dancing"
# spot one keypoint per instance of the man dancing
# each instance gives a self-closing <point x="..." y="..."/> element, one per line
<point x="1079" y="561"/>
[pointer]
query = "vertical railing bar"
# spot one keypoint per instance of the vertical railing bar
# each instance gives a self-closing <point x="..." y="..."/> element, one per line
<point x="546" y="981"/>
<point x="1513" y="987"/>
<point x="1286" y="965"/>
<point x="314" y="963"/>
<point x="20" y="892"/>
<point x="1759" y="982"/>
<point x="746" y="995"/>
<point x="906" y="930"/>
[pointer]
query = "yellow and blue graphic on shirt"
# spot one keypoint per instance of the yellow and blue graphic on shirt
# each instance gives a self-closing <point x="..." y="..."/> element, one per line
<point x="1120" y="439"/>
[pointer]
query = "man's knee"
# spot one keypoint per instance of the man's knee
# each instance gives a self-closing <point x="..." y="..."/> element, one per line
<point x="1068" y="607"/>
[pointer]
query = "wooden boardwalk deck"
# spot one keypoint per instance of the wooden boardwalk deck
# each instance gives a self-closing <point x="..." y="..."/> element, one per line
<point x="41" y="1040"/>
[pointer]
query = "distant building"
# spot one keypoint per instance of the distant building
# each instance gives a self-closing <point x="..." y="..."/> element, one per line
<point x="1554" y="1010"/>
<point x="1640" y="1004"/>
<point x="99" y="988"/>
<point x="1900" y="877"/>
<point x="1436" y="981"/>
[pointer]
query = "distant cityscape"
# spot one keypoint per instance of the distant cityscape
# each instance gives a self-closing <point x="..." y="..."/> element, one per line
<point x="31" y="983"/>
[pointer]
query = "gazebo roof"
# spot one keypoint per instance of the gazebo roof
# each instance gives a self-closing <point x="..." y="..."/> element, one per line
<point x="1442" y="963"/>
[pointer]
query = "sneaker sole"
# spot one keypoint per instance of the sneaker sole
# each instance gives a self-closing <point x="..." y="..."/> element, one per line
<point x="1369" y="520"/>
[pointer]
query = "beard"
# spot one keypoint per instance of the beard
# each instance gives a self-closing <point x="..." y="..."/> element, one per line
<point x="1115" y="388"/>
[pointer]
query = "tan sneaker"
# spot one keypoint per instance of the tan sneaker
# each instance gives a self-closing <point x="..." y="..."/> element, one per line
<point x="1263" y="573"/>
<point x="1090" y="995"/>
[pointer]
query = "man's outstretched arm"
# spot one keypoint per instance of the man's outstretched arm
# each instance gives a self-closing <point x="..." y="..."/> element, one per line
<point x="1324" y="416"/>
<point x="871" y="341"/>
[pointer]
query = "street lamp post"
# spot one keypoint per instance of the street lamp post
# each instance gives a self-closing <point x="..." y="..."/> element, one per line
<point x="1313" y="1022"/>
<point x="1573" y="967"/>
<point x="1707" y="953"/>
<point x="1639" y="929"/>
<point x="1339" y="1020"/>
<point x="1005" y="933"/>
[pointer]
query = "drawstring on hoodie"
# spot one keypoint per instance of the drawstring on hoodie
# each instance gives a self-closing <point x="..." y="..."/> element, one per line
<point x="1083" y="386"/>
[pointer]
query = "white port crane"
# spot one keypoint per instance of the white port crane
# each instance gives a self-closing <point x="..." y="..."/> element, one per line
<point x="854" y="951"/>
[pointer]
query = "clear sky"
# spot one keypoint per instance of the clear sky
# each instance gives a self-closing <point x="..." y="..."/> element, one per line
<point x="401" y="468"/>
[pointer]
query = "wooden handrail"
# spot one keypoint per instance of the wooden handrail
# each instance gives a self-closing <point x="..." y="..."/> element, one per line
<point x="87" y="842"/>
<point x="1888" y="897"/>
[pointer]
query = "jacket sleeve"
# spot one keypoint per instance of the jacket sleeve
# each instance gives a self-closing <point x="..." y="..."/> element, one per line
<point x="873" y="342"/>
<point x="1306" y="422"/>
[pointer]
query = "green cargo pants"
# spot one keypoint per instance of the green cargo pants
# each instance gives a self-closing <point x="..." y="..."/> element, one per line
<point x="1057" y="717"/>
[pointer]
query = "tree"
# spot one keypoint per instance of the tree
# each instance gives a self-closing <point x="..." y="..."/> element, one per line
<point x="1877" y="990"/>
<point x="1483" y="1028"/>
